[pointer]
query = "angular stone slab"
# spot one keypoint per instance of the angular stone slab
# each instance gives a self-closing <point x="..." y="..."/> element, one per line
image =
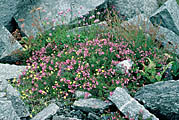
<point x="52" y="8"/>
<point x="8" y="9"/>
<point x="47" y="112"/>
<point x="14" y="96"/>
<point x="167" y="36"/>
<point x="91" y="105"/>
<point x="167" y="16"/>
<point x="7" y="112"/>
<point x="129" y="106"/>
<point x="8" y="71"/>
<point x="131" y="8"/>
<point x="8" y="44"/>
<point x="162" y="98"/>
<point x="63" y="118"/>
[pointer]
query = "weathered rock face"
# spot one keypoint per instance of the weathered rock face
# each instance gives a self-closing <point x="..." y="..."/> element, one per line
<point x="47" y="112"/>
<point x="169" y="39"/>
<point x="8" y="44"/>
<point x="8" y="9"/>
<point x="129" y="106"/>
<point x="10" y="71"/>
<point x="131" y="8"/>
<point x="167" y="16"/>
<point x="13" y="107"/>
<point x="55" y="11"/>
<point x="7" y="112"/>
<point x="91" y="105"/>
<point x="162" y="98"/>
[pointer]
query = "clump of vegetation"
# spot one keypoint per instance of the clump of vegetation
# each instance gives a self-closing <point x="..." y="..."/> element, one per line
<point x="61" y="62"/>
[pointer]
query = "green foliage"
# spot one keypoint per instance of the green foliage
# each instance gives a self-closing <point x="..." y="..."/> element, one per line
<point x="150" y="72"/>
<point x="175" y="69"/>
<point x="62" y="61"/>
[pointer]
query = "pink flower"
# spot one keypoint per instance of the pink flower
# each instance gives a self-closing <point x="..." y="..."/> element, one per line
<point x="96" y="21"/>
<point x="50" y="68"/>
<point x="158" y="74"/>
<point x="40" y="91"/>
<point x="111" y="93"/>
<point x="50" y="34"/>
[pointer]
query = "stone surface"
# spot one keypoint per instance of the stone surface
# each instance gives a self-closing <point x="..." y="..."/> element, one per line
<point x="8" y="9"/>
<point x="168" y="38"/>
<point x="140" y="22"/>
<point x="8" y="71"/>
<point x="162" y="98"/>
<point x="47" y="112"/>
<point x="124" y="66"/>
<point x="53" y="12"/>
<point x="7" y="112"/>
<point x="81" y="94"/>
<point x="131" y="8"/>
<point x="63" y="118"/>
<point x="129" y="106"/>
<point x="11" y="94"/>
<point x="7" y="43"/>
<point x="167" y="16"/>
<point x="91" y="105"/>
<point x="92" y="116"/>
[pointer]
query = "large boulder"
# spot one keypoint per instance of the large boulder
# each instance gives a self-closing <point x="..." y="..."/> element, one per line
<point x="54" y="10"/>
<point x="47" y="112"/>
<point x="10" y="72"/>
<point x="167" y="16"/>
<point x="7" y="112"/>
<point x="131" y="8"/>
<point x="91" y="105"/>
<point x="8" y="9"/>
<point x="128" y="105"/>
<point x="8" y="45"/>
<point x="169" y="39"/>
<point x="162" y="98"/>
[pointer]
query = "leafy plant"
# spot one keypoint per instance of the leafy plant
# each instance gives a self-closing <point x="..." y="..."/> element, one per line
<point x="175" y="69"/>
<point x="150" y="72"/>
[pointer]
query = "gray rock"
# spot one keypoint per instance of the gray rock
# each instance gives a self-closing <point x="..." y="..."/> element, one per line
<point x="131" y="8"/>
<point x="81" y="94"/>
<point x="52" y="9"/>
<point x="124" y="66"/>
<point x="167" y="16"/>
<point x="139" y="22"/>
<point x="169" y="39"/>
<point x="129" y="106"/>
<point x="8" y="9"/>
<point x="2" y="94"/>
<point x="8" y="44"/>
<point x="47" y="112"/>
<point x="7" y="112"/>
<point x="63" y="118"/>
<point x="17" y="103"/>
<point x="91" y="105"/>
<point x="93" y="116"/>
<point x="162" y="98"/>
<point x="8" y="71"/>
